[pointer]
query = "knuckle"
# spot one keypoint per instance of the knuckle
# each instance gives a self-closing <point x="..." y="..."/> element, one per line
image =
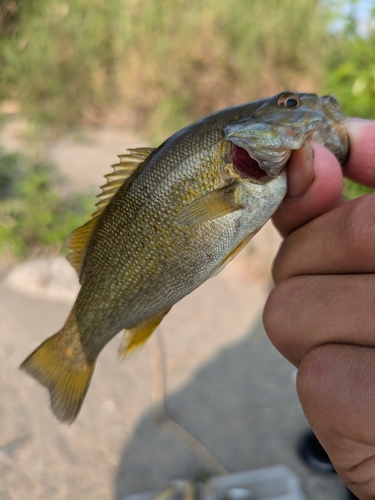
<point x="361" y="477"/>
<point x="273" y="311"/>
<point x="278" y="315"/>
<point x="357" y="225"/>
<point x="312" y="375"/>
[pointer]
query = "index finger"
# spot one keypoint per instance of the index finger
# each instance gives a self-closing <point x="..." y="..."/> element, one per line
<point x="360" y="166"/>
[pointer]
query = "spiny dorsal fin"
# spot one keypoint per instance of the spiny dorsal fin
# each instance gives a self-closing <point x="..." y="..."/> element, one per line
<point x="80" y="238"/>
<point x="121" y="171"/>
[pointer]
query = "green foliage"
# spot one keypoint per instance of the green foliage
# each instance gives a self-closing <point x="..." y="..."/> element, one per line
<point x="158" y="64"/>
<point x="59" y="60"/>
<point x="351" y="66"/>
<point x="353" y="78"/>
<point x="350" y="74"/>
<point x="353" y="190"/>
<point x="34" y="214"/>
<point x="68" y="61"/>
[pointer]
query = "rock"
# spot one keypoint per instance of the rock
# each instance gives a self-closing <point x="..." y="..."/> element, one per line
<point x="51" y="278"/>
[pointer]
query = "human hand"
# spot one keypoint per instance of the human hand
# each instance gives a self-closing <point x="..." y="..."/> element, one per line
<point x="321" y="313"/>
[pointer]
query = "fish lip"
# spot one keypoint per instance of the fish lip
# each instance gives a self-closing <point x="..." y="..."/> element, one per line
<point x="266" y="178"/>
<point x="277" y="155"/>
<point x="263" y="180"/>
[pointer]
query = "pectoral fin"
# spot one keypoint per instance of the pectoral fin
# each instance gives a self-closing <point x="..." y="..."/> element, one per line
<point x="209" y="206"/>
<point x="136" y="336"/>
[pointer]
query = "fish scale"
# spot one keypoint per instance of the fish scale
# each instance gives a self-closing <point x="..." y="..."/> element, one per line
<point x="170" y="218"/>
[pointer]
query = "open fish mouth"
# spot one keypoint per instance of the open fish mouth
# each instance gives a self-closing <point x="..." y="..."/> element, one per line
<point x="246" y="166"/>
<point x="272" y="131"/>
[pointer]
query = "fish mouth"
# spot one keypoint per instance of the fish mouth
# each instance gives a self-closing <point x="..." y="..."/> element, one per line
<point x="246" y="166"/>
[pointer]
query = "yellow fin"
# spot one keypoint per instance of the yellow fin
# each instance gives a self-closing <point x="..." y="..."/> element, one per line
<point x="66" y="378"/>
<point x="232" y="255"/>
<point x="78" y="241"/>
<point x="136" y="336"/>
<point x="209" y="206"/>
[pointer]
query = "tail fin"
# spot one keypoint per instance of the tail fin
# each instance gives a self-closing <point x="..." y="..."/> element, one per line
<point x="66" y="377"/>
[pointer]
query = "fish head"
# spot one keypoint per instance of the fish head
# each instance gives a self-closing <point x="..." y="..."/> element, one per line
<point x="282" y="123"/>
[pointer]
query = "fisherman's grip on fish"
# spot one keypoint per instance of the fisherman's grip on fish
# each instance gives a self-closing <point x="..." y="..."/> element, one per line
<point x="170" y="218"/>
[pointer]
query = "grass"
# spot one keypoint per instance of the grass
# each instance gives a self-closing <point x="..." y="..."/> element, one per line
<point x="35" y="215"/>
<point x="157" y="63"/>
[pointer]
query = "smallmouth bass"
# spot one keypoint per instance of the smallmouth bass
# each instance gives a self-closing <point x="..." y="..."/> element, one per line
<point x="170" y="218"/>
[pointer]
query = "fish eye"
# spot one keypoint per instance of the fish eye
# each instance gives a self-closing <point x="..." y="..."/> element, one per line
<point x="288" y="100"/>
<point x="291" y="103"/>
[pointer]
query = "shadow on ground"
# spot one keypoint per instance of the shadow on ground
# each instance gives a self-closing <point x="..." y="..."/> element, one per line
<point x="242" y="406"/>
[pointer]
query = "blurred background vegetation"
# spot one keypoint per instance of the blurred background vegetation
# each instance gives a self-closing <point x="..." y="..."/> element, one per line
<point x="155" y="66"/>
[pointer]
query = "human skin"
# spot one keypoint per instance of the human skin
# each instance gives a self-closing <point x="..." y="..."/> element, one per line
<point x="320" y="314"/>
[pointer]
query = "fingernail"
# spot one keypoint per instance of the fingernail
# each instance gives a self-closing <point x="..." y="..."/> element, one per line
<point x="300" y="170"/>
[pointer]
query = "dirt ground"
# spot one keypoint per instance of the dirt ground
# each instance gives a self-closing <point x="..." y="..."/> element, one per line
<point x="207" y="394"/>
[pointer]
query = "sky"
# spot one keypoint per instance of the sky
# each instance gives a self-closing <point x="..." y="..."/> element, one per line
<point x="361" y="10"/>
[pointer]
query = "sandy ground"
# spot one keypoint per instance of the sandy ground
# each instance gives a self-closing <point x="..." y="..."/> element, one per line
<point x="208" y="393"/>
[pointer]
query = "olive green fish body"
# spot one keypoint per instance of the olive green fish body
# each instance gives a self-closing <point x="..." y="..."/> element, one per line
<point x="154" y="262"/>
<point x="168" y="220"/>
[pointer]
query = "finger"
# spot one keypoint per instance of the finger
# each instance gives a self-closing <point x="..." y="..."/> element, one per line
<point x="324" y="192"/>
<point x="336" y="387"/>
<point x="340" y="241"/>
<point x="315" y="184"/>
<point x="304" y="312"/>
<point x="361" y="164"/>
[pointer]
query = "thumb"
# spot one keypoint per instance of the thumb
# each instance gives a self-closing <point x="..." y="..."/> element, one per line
<point x="315" y="183"/>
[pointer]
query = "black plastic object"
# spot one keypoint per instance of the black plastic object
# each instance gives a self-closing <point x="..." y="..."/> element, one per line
<point x="352" y="496"/>
<point x="314" y="454"/>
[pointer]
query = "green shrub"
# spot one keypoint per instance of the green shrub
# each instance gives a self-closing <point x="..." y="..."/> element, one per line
<point x="350" y="74"/>
<point x="34" y="213"/>
<point x="157" y="63"/>
<point x="353" y="190"/>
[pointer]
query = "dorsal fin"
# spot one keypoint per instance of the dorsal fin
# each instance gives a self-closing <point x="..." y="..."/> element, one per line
<point x="121" y="171"/>
<point x="78" y="241"/>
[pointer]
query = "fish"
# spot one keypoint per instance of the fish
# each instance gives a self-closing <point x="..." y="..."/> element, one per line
<point x="168" y="219"/>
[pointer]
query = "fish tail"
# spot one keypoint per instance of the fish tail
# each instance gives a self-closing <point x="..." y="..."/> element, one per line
<point x="65" y="375"/>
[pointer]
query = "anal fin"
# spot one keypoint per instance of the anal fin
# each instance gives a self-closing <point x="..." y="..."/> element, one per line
<point x="136" y="336"/>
